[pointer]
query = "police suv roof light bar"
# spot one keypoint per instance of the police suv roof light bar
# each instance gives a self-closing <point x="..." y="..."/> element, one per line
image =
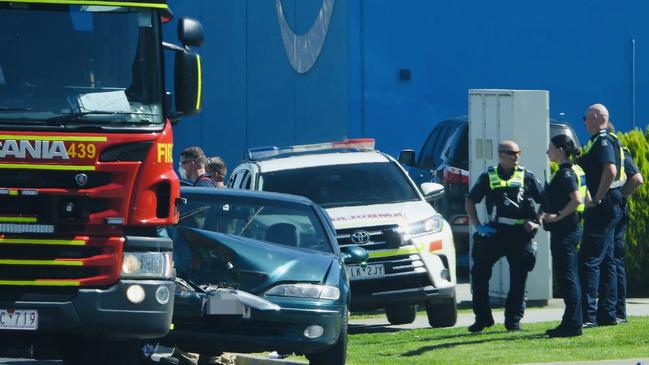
<point x="274" y="151"/>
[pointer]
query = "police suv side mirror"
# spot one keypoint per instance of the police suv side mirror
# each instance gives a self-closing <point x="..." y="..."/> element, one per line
<point x="407" y="157"/>
<point x="354" y="254"/>
<point x="432" y="191"/>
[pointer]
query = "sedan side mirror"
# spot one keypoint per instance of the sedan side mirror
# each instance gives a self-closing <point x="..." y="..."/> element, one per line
<point x="432" y="191"/>
<point x="407" y="157"/>
<point x="354" y="254"/>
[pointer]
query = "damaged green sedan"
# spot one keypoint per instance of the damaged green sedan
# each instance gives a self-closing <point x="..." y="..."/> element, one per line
<point x="259" y="272"/>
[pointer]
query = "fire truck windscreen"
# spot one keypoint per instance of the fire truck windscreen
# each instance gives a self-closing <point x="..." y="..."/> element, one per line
<point x="100" y="64"/>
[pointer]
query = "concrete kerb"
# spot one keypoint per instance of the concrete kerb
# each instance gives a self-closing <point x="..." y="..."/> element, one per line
<point x="245" y="359"/>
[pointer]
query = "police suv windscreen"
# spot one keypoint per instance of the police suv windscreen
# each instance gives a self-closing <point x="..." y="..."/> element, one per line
<point x="79" y="64"/>
<point x="343" y="185"/>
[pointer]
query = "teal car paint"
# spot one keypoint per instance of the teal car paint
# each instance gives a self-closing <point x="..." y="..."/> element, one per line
<point x="279" y="248"/>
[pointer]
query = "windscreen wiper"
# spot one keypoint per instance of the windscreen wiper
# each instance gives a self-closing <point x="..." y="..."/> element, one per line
<point x="14" y="109"/>
<point x="80" y="116"/>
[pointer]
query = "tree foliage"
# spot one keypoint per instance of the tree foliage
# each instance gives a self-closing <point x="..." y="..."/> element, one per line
<point x="637" y="236"/>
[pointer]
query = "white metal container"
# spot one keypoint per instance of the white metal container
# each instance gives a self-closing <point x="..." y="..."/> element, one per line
<point x="521" y="116"/>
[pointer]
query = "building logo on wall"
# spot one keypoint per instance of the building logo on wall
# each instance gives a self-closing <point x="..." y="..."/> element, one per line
<point x="303" y="50"/>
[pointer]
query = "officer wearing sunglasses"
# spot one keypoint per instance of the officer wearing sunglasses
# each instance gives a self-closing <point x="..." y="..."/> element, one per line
<point x="509" y="190"/>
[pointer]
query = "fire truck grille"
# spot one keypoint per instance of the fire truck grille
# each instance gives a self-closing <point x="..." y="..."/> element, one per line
<point x="54" y="272"/>
<point x="47" y="262"/>
<point x="52" y="179"/>
<point x="52" y="209"/>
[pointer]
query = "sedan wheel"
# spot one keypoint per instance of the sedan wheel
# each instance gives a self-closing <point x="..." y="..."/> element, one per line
<point x="337" y="353"/>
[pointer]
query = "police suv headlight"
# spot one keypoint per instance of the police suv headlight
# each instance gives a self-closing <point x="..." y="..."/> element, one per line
<point x="433" y="224"/>
<point x="147" y="265"/>
<point x="314" y="291"/>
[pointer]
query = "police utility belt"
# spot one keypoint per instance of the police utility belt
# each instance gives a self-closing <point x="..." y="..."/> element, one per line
<point x="495" y="182"/>
<point x="508" y="221"/>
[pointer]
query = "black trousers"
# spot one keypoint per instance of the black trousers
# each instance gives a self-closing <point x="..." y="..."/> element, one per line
<point x="597" y="271"/>
<point x="618" y="256"/>
<point x="514" y="243"/>
<point x="563" y="243"/>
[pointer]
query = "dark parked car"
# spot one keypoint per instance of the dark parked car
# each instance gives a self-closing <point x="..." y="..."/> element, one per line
<point x="259" y="272"/>
<point x="444" y="159"/>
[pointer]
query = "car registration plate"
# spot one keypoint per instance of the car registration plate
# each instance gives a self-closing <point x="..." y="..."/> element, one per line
<point x="358" y="272"/>
<point x="19" y="319"/>
<point x="224" y="303"/>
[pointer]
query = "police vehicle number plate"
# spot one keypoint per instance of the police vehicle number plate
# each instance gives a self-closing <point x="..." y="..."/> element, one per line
<point x="20" y="319"/>
<point x="358" y="272"/>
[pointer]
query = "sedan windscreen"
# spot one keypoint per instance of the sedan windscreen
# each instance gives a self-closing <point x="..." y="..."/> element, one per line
<point x="343" y="185"/>
<point x="278" y="222"/>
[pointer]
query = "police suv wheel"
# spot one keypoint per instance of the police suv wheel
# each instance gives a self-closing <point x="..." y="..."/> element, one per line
<point x="403" y="314"/>
<point x="442" y="314"/>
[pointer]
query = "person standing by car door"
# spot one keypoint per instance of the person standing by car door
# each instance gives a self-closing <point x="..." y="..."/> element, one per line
<point x="509" y="190"/>
<point x="563" y="204"/>
<point x="604" y="168"/>
<point x="193" y="163"/>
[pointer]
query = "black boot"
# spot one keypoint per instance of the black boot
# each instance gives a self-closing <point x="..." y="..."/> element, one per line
<point x="481" y="324"/>
<point x="564" y="332"/>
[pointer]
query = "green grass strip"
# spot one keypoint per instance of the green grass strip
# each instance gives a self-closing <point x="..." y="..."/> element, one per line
<point x="495" y="345"/>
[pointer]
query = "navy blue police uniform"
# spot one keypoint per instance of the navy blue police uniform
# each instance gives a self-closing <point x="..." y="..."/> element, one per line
<point x="509" y="205"/>
<point x="630" y="169"/>
<point x="565" y="235"/>
<point x="596" y="262"/>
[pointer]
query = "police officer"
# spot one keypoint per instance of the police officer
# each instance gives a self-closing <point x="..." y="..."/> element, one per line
<point x="633" y="181"/>
<point x="605" y="176"/>
<point x="562" y="205"/>
<point x="509" y="190"/>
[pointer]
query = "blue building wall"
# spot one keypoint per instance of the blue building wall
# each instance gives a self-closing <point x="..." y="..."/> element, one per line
<point x="581" y="51"/>
<point x="252" y="96"/>
<point x="578" y="50"/>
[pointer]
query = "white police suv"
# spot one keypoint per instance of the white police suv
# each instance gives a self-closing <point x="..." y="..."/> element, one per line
<point x="374" y="204"/>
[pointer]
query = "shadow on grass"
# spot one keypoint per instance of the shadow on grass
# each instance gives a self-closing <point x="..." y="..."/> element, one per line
<point x="356" y="329"/>
<point x="447" y="345"/>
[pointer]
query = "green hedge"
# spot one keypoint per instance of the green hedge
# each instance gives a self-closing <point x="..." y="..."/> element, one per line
<point x="637" y="237"/>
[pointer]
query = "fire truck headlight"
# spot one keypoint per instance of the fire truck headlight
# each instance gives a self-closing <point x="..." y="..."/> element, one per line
<point x="147" y="265"/>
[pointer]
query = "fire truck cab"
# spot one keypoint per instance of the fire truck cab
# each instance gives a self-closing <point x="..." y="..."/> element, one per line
<point x="86" y="174"/>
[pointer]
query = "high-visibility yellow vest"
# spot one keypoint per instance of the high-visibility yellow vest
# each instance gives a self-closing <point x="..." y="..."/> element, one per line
<point x="620" y="177"/>
<point x="516" y="181"/>
<point x="581" y="185"/>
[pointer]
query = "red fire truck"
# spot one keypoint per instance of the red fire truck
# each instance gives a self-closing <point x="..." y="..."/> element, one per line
<point x="86" y="174"/>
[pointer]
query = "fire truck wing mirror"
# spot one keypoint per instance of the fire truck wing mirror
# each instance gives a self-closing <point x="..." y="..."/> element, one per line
<point x="407" y="157"/>
<point x="188" y="83"/>
<point x="190" y="32"/>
